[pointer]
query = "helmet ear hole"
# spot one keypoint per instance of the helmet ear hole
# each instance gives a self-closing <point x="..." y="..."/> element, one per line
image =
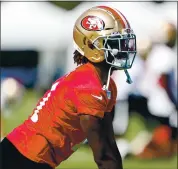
<point x="90" y="45"/>
<point x="84" y="40"/>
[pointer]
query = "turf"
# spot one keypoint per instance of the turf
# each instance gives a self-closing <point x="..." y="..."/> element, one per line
<point x="82" y="159"/>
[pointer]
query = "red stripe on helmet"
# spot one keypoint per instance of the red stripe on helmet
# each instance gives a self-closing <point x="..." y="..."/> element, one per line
<point x="114" y="13"/>
<point x="117" y="14"/>
<point x="124" y="18"/>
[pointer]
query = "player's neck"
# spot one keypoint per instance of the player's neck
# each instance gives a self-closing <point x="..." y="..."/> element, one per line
<point x="102" y="72"/>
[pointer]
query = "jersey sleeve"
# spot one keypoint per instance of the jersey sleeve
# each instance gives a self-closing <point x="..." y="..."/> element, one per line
<point x="112" y="101"/>
<point x="90" y="102"/>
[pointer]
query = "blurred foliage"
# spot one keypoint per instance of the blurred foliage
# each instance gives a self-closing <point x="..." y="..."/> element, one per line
<point x="68" y="5"/>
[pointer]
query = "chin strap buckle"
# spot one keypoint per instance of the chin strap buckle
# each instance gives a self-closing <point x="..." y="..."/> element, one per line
<point x="129" y="80"/>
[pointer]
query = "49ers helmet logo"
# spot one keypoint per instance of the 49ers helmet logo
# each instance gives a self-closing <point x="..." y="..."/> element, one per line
<point x="92" y="23"/>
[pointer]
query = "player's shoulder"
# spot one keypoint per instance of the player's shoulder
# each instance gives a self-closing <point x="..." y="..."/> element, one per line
<point x="88" y="86"/>
<point x="90" y="98"/>
<point x="84" y="77"/>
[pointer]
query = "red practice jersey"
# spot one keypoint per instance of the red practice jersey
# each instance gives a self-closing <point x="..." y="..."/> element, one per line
<point x="53" y="130"/>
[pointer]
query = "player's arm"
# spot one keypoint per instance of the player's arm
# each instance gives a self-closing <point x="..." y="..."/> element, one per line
<point x="103" y="147"/>
<point x="109" y="134"/>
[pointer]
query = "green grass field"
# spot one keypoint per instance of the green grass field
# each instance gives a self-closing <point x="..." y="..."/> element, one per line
<point x="82" y="159"/>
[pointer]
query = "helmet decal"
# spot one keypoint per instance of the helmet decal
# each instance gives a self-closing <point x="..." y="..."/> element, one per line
<point x="92" y="23"/>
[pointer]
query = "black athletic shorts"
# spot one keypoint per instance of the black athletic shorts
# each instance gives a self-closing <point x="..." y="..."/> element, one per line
<point x="11" y="158"/>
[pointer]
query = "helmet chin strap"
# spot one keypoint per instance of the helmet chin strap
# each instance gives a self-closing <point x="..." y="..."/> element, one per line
<point x="109" y="77"/>
<point x="129" y="80"/>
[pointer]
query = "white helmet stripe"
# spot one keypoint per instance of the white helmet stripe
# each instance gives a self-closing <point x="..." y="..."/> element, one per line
<point x="123" y="18"/>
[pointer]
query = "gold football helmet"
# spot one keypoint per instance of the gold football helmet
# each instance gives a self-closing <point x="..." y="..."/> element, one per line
<point x="104" y="33"/>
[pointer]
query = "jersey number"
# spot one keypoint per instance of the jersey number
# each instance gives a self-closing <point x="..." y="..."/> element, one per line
<point x="34" y="117"/>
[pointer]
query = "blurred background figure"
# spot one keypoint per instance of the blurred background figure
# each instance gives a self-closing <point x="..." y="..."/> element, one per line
<point x="154" y="97"/>
<point x="162" y="98"/>
<point x="37" y="47"/>
<point x="12" y="93"/>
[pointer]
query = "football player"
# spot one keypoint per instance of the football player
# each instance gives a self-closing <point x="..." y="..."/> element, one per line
<point x="78" y="105"/>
